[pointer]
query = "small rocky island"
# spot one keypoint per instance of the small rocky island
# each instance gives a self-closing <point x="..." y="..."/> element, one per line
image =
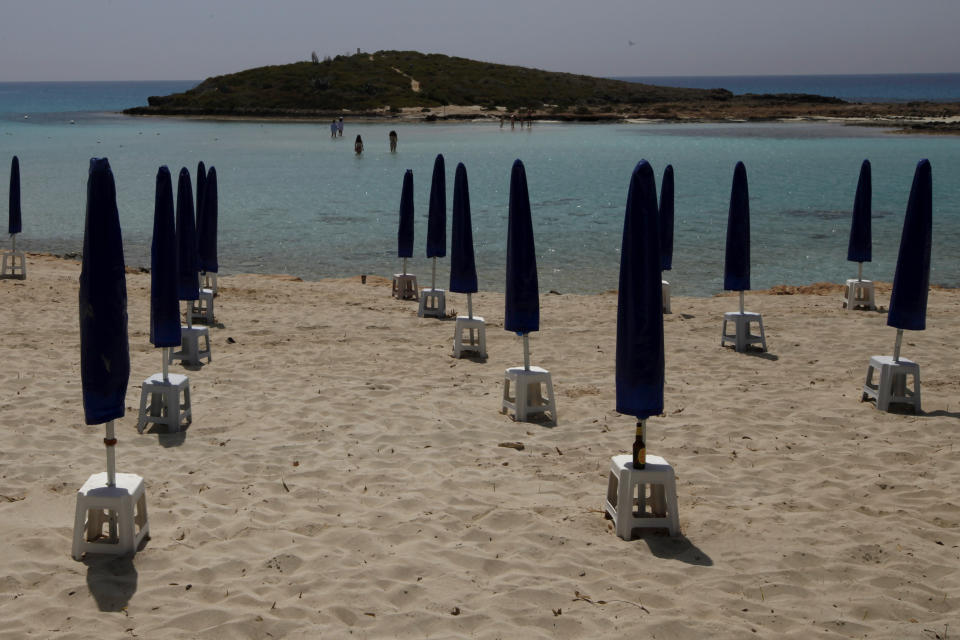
<point x="418" y="86"/>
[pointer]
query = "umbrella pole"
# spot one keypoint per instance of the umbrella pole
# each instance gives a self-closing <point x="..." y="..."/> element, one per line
<point x="404" y="266"/>
<point x="859" y="272"/>
<point x="13" y="239"/>
<point x="433" y="280"/>
<point x="639" y="446"/>
<point x="896" y="346"/>
<point x="110" y="442"/>
<point x="470" y="314"/>
<point x="165" y="356"/>
<point x="526" y="352"/>
<point x="189" y="314"/>
<point x="741" y="302"/>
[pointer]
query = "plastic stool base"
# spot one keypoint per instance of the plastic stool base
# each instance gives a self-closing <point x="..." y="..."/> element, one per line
<point x="433" y="303"/>
<point x="528" y="397"/>
<point x="892" y="387"/>
<point x="625" y="482"/>
<point x="742" y="338"/>
<point x="405" y="286"/>
<point x="14" y="265"/>
<point x="201" y="309"/>
<point x="476" y="338"/>
<point x="97" y="504"/>
<point x="190" y="351"/>
<point x="860" y="292"/>
<point x="160" y="402"/>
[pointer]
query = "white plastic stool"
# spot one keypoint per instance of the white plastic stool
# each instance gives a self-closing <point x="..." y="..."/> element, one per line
<point x="528" y="395"/>
<point x="164" y="402"/>
<point x="433" y="302"/>
<point x="741" y="338"/>
<point x="210" y="281"/>
<point x="123" y="508"/>
<point x="475" y="342"/>
<point x="190" y="351"/>
<point x="202" y="308"/>
<point x="14" y="265"/>
<point x="405" y="286"/>
<point x="892" y="386"/>
<point x="859" y="295"/>
<point x="666" y="296"/>
<point x="628" y="487"/>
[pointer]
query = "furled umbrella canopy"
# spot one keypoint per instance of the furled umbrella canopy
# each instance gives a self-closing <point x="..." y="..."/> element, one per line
<point x="908" y="300"/>
<point x="640" y="358"/>
<point x="522" y="299"/>
<point x="463" y="268"/>
<point x="207" y="225"/>
<point x="201" y="192"/>
<point x="405" y="228"/>
<point x="164" y="305"/>
<point x="860" y="246"/>
<point x="188" y="281"/>
<point x="437" y="214"/>
<point x="736" y="271"/>
<point x="104" y="350"/>
<point x="666" y="220"/>
<point x="15" y="220"/>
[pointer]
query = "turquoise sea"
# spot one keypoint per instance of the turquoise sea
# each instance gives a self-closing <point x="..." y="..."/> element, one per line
<point x="294" y="201"/>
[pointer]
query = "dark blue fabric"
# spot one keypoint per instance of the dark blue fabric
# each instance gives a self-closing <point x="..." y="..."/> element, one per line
<point x="463" y="267"/>
<point x="104" y="350"/>
<point x="15" y="221"/>
<point x="908" y="300"/>
<point x="861" y="245"/>
<point x="437" y="215"/>
<point x="405" y="228"/>
<point x="522" y="298"/>
<point x="736" y="268"/>
<point x="640" y="360"/>
<point x="201" y="192"/>
<point x="666" y="220"/>
<point x="207" y="225"/>
<point x="164" y="306"/>
<point x="188" y="282"/>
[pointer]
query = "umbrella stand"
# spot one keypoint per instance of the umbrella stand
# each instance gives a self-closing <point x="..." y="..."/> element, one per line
<point x="526" y="352"/>
<point x="741" y="302"/>
<point x="896" y="346"/>
<point x="639" y="447"/>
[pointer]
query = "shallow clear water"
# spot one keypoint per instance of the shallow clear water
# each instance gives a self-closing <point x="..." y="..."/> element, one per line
<point x="294" y="201"/>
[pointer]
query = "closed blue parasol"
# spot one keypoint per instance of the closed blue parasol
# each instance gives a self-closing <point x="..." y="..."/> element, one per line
<point x="207" y="225"/>
<point x="860" y="247"/>
<point x="405" y="228"/>
<point x="104" y="350"/>
<point x="164" y="306"/>
<point x="201" y="191"/>
<point x="666" y="220"/>
<point x="463" y="268"/>
<point x="522" y="298"/>
<point x="437" y="216"/>
<point x="188" y="284"/>
<point x="736" y="268"/>
<point x="640" y="358"/>
<point x="15" y="221"/>
<point x="908" y="300"/>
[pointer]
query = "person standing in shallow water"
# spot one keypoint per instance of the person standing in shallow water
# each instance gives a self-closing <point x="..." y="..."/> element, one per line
<point x="393" y="142"/>
<point x="358" y="145"/>
<point x="340" y="127"/>
<point x="333" y="128"/>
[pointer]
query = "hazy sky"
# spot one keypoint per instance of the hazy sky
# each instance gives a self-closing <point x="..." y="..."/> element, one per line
<point x="195" y="39"/>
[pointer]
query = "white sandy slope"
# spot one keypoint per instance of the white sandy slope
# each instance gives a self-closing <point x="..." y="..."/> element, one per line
<point x="342" y="476"/>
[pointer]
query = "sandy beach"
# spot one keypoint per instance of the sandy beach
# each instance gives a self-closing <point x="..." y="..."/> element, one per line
<point x="343" y="476"/>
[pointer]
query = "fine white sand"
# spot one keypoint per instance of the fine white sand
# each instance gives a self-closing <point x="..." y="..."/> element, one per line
<point x="342" y="475"/>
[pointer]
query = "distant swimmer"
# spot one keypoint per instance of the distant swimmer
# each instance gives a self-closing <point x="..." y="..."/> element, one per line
<point x="358" y="145"/>
<point x="393" y="141"/>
